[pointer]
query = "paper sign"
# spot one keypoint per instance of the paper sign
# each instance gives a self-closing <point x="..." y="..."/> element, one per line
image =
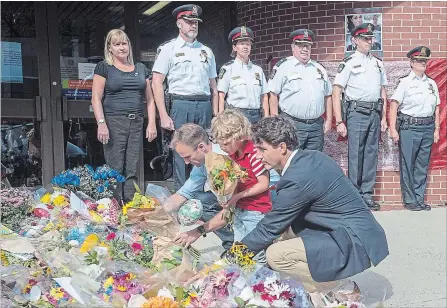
<point x="78" y="205"/>
<point x="11" y="62"/>
<point x="85" y="70"/>
<point x="65" y="282"/>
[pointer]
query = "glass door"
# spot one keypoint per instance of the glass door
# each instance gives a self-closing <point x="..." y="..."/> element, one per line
<point x="26" y="134"/>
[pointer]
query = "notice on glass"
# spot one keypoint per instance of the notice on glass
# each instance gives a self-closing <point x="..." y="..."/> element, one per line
<point x="12" y="71"/>
<point x="86" y="70"/>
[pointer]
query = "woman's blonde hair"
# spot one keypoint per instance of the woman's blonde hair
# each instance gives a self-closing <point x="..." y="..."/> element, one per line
<point x="116" y="35"/>
<point x="230" y="125"/>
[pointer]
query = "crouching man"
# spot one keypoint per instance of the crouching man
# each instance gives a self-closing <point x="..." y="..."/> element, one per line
<point x="332" y="233"/>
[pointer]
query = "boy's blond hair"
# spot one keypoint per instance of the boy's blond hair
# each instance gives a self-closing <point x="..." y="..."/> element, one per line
<point x="230" y="125"/>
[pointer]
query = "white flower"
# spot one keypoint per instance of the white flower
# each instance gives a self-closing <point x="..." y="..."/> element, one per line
<point x="281" y="303"/>
<point x="270" y="280"/>
<point x="165" y="293"/>
<point x="277" y="289"/>
<point x="246" y="294"/>
<point x="257" y="302"/>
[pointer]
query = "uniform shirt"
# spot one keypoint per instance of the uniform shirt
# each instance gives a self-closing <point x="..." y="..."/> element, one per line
<point x="254" y="167"/>
<point x="243" y="83"/>
<point x="187" y="66"/>
<point x="417" y="97"/>
<point x="301" y="87"/>
<point x="362" y="76"/>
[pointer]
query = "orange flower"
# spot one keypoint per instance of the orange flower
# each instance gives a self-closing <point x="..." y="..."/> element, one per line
<point x="224" y="174"/>
<point x="160" y="302"/>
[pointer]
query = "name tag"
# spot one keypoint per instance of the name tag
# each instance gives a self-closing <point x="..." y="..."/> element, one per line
<point x="236" y="77"/>
<point x="179" y="54"/>
<point x="257" y="76"/>
<point x="257" y="82"/>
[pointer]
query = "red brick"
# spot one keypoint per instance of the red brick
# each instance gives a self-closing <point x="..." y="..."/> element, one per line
<point x="438" y="3"/>
<point x="384" y="192"/>
<point x="336" y="13"/>
<point x="309" y="8"/>
<point x="443" y="184"/>
<point x="393" y="23"/>
<point x="394" y="48"/>
<point x="431" y="23"/>
<point x="392" y="198"/>
<point x="392" y="35"/>
<point x="431" y="10"/>
<point x="397" y="9"/>
<point x="444" y="172"/>
<point x="285" y="5"/>
<point x="431" y="35"/>
<point x="437" y="42"/>
<point x="433" y="197"/>
<point x="412" y="10"/>
<point x="344" y="5"/>
<point x="419" y="42"/>
<point x="382" y="3"/>
<point x="408" y="22"/>
<point x="438" y="178"/>
<point x="300" y="16"/>
<point x="362" y="4"/>
<point x="401" y="29"/>
<point x="329" y="6"/>
<point x="384" y="179"/>
<point x="335" y="50"/>
<point x="326" y="19"/>
<point x="401" y="42"/>
<point x="326" y="44"/>
<point x="326" y="32"/>
<point x="420" y="3"/>
<point x="340" y="18"/>
<point x="421" y="16"/>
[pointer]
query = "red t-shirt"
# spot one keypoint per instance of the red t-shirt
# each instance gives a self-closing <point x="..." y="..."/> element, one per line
<point x="254" y="167"/>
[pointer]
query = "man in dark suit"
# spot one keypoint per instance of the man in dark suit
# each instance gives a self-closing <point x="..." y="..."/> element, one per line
<point x="334" y="234"/>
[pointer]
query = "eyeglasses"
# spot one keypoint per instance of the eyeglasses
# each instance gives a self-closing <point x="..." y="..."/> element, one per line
<point x="422" y="61"/>
<point x="303" y="45"/>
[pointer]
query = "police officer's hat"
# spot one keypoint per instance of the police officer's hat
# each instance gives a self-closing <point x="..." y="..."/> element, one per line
<point x="364" y="30"/>
<point x="188" y="12"/>
<point x="420" y="52"/>
<point x="240" y="33"/>
<point x="302" y="36"/>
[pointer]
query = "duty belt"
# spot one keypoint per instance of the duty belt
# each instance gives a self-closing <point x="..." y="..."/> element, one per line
<point x="367" y="105"/>
<point x="246" y="109"/>
<point x="307" y="121"/>
<point x="190" y="97"/>
<point x="416" y="120"/>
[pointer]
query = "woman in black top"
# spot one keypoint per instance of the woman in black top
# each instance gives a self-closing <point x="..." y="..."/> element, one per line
<point x="121" y="89"/>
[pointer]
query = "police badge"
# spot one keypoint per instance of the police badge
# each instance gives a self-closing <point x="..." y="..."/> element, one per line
<point x="243" y="31"/>
<point x="257" y="76"/>
<point x="306" y="34"/>
<point x="423" y="52"/>
<point x="204" y="55"/>
<point x="430" y="87"/>
<point x="222" y="73"/>
<point x="340" y="68"/>
<point x="194" y="10"/>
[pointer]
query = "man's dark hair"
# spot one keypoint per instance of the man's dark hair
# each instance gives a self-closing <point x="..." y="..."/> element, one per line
<point x="274" y="130"/>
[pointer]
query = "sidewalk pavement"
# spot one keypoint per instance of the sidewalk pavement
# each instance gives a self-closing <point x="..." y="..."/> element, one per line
<point x="413" y="275"/>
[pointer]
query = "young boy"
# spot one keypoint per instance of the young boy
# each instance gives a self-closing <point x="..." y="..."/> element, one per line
<point x="231" y="131"/>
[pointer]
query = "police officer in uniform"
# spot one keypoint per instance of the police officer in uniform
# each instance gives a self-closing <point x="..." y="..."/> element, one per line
<point x="190" y="69"/>
<point x="242" y="84"/>
<point x="414" y="123"/>
<point x="304" y="92"/>
<point x="362" y="77"/>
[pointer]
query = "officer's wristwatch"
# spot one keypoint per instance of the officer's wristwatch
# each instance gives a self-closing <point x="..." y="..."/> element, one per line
<point x="101" y="121"/>
<point x="202" y="231"/>
<point x="338" y="123"/>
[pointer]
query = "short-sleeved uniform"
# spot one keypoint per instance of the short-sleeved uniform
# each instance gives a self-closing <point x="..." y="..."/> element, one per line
<point x="244" y="85"/>
<point x="188" y="68"/>
<point x="123" y="104"/>
<point x="417" y="98"/>
<point x="302" y="89"/>
<point x="362" y="77"/>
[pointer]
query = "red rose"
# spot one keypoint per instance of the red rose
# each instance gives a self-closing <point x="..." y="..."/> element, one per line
<point x="267" y="297"/>
<point x="111" y="236"/>
<point x="259" y="288"/>
<point x="136" y="248"/>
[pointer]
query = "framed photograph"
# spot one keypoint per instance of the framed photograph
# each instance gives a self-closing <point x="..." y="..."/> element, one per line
<point x="355" y="18"/>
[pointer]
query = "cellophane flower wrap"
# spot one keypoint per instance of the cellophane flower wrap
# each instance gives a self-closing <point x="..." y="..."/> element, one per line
<point x="266" y="288"/>
<point x="16" y="204"/>
<point x="96" y="183"/>
<point x="223" y="176"/>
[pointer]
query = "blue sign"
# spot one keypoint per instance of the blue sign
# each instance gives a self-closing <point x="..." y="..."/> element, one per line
<point x="12" y="71"/>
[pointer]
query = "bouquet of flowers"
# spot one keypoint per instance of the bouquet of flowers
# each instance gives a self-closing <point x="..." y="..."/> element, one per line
<point x="97" y="184"/>
<point x="136" y="209"/>
<point x="16" y="205"/>
<point x="266" y="289"/>
<point x="103" y="211"/>
<point x="241" y="256"/>
<point x="120" y="286"/>
<point x="224" y="176"/>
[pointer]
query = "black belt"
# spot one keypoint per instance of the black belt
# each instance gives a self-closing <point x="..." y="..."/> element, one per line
<point x="131" y="116"/>
<point x="191" y="97"/>
<point x="246" y="109"/>
<point x="416" y="120"/>
<point x="307" y="121"/>
<point x="362" y="104"/>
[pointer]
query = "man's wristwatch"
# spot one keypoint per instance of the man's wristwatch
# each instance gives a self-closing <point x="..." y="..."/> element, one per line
<point x="101" y="121"/>
<point x="338" y="123"/>
<point x="202" y="231"/>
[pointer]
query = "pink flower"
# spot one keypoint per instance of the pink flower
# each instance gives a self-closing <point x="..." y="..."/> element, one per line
<point x="259" y="288"/>
<point x="136" y="248"/>
<point x="111" y="236"/>
<point x="267" y="297"/>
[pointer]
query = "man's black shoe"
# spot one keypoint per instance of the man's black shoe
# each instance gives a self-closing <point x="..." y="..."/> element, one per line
<point x="373" y="205"/>
<point x="413" y="207"/>
<point x="425" y="206"/>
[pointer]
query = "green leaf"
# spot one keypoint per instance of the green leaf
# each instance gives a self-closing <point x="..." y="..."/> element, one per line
<point x="136" y="187"/>
<point x="179" y="294"/>
<point x="240" y="302"/>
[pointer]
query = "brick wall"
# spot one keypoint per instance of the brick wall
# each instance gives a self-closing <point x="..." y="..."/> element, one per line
<point x="405" y="24"/>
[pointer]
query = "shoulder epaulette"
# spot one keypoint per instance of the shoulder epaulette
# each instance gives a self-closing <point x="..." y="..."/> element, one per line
<point x="229" y="63"/>
<point x="377" y="57"/>
<point x="347" y="59"/>
<point x="280" y="62"/>
<point x="166" y="42"/>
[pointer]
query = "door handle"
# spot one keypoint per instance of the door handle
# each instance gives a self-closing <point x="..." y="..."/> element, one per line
<point x="64" y="108"/>
<point x="39" y="108"/>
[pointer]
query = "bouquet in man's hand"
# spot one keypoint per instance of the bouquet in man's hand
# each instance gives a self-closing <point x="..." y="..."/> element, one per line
<point x="224" y="176"/>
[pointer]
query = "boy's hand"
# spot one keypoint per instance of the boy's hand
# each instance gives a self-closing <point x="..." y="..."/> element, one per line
<point x="232" y="202"/>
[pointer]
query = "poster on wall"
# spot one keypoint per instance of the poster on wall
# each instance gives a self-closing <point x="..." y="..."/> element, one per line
<point x="77" y="77"/>
<point x="356" y="17"/>
<point x="12" y="71"/>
